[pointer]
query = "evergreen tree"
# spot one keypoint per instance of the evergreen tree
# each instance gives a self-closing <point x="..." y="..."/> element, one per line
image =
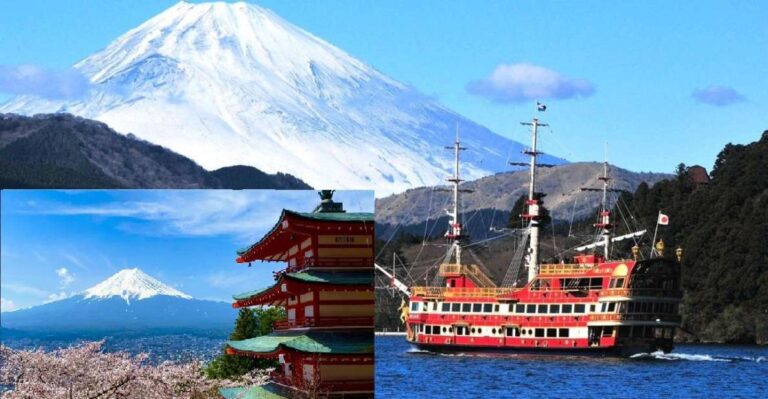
<point x="250" y="323"/>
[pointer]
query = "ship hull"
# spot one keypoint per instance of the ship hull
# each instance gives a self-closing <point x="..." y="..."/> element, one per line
<point x="616" y="351"/>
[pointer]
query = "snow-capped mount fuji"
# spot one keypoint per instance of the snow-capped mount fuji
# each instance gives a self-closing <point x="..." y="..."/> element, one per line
<point x="228" y="84"/>
<point x="128" y="301"/>
<point x="132" y="284"/>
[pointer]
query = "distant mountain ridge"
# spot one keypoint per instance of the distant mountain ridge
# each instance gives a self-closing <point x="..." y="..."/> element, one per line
<point x="130" y="300"/>
<point x="226" y="84"/>
<point x="492" y="198"/>
<point x="65" y="151"/>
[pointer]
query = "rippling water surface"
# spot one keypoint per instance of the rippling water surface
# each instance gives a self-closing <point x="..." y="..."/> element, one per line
<point x="690" y="371"/>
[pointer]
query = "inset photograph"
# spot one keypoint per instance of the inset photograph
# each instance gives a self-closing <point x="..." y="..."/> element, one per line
<point x="187" y="293"/>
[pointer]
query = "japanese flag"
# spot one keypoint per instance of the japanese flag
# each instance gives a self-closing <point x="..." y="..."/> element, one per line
<point x="663" y="219"/>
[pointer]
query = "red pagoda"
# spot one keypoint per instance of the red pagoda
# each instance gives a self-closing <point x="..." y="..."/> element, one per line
<point x="325" y="344"/>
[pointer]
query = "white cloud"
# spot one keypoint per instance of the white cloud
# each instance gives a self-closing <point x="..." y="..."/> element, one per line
<point x="517" y="83"/>
<point x="74" y="260"/>
<point x="718" y="95"/>
<point x="47" y="83"/>
<point x="7" y="305"/>
<point x="66" y="277"/>
<point x="57" y="296"/>
<point x="24" y="289"/>
<point x="193" y="213"/>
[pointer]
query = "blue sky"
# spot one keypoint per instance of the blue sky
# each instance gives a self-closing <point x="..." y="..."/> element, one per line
<point x="57" y="243"/>
<point x="659" y="82"/>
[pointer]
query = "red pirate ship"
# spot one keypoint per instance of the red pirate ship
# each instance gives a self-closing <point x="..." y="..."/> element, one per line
<point x="595" y="304"/>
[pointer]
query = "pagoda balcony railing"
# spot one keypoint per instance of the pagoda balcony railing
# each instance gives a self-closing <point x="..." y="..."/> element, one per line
<point x="671" y="318"/>
<point x="474" y="271"/>
<point x="362" y="321"/>
<point x="641" y="292"/>
<point x="444" y="292"/>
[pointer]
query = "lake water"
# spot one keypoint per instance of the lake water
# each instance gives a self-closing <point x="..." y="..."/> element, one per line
<point x="173" y="347"/>
<point x="690" y="371"/>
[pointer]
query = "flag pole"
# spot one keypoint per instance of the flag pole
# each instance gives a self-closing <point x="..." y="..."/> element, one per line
<point x="653" y="242"/>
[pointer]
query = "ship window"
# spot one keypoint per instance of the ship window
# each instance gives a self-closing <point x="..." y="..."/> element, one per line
<point x="596" y="283"/>
<point x="567" y="308"/>
<point x="477" y="307"/>
<point x="493" y="331"/>
<point x="446" y="307"/>
<point x="455" y="307"/>
<point x="415" y="306"/>
<point x="466" y="307"/>
<point x="554" y="308"/>
<point x="591" y="308"/>
<point x="551" y="333"/>
<point x="603" y="307"/>
<point x="539" y="332"/>
<point x="611" y="307"/>
<point x="624" y="331"/>
<point x="445" y="329"/>
<point x="530" y="309"/>
<point x="612" y="283"/>
<point x="427" y="329"/>
<point x="579" y="308"/>
<point x="620" y="283"/>
<point x="563" y="332"/>
<point x="607" y="331"/>
<point x="495" y="308"/>
<point x="488" y="308"/>
<point x="519" y="308"/>
<point x="542" y="308"/>
<point x="510" y="332"/>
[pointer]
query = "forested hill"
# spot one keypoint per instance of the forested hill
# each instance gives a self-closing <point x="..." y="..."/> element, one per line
<point x="723" y="228"/>
<point x="65" y="151"/>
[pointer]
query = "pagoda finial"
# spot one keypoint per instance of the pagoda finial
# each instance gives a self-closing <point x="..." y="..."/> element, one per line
<point x="326" y="195"/>
<point x="327" y="204"/>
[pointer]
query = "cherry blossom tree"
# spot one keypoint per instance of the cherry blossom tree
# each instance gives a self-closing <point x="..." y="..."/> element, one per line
<point x="87" y="372"/>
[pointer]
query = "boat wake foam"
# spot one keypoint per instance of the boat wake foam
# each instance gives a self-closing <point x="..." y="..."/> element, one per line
<point x="659" y="355"/>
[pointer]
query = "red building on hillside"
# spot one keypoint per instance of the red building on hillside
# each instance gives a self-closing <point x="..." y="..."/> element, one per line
<point x="325" y="344"/>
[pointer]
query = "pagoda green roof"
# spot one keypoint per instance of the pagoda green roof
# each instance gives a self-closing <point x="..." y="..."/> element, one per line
<point x="267" y="391"/>
<point x="309" y="342"/>
<point x="319" y="277"/>
<point x="337" y="216"/>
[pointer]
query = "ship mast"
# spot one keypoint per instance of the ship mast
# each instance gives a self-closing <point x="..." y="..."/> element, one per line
<point x="533" y="203"/>
<point x="605" y="214"/>
<point x="455" y="233"/>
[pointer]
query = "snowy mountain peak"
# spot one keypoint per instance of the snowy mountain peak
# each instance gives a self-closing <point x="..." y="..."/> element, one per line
<point x="227" y="84"/>
<point x="132" y="284"/>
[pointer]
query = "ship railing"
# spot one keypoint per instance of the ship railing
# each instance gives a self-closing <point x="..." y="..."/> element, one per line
<point x="474" y="271"/>
<point x="674" y="318"/>
<point x="641" y="292"/>
<point x="445" y="292"/>
<point x="565" y="268"/>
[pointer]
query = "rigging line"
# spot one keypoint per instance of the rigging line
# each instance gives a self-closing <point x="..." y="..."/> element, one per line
<point x="426" y="225"/>
<point x="573" y="214"/>
<point x="553" y="135"/>
<point x="490" y="239"/>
